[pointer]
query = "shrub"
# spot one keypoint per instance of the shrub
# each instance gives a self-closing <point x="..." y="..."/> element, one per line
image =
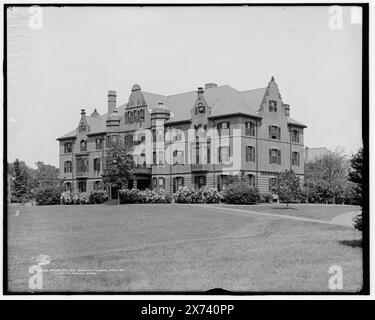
<point x="47" y="195"/>
<point x="207" y="195"/>
<point x="241" y="193"/>
<point x="266" y="197"/>
<point x="66" y="198"/>
<point x="184" y="195"/>
<point x="130" y="196"/>
<point x="153" y="196"/>
<point x="98" y="196"/>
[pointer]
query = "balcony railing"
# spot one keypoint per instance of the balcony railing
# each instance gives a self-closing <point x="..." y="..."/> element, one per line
<point x="142" y="170"/>
<point x="82" y="174"/>
<point x="199" y="167"/>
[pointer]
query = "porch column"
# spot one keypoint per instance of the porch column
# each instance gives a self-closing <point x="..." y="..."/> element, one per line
<point x="134" y="183"/>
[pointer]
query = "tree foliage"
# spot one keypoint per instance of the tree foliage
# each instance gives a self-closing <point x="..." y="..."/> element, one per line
<point x="24" y="180"/>
<point x="356" y="177"/>
<point x="287" y="186"/>
<point x="118" y="164"/>
<point x="326" y="178"/>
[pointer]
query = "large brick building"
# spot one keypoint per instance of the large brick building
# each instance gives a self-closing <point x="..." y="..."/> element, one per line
<point x="254" y="137"/>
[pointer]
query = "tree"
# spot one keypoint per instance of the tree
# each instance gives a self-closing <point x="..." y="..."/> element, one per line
<point x="356" y="177"/>
<point x="45" y="174"/>
<point x="118" y="163"/>
<point x="19" y="177"/>
<point x="326" y="178"/>
<point x="287" y="186"/>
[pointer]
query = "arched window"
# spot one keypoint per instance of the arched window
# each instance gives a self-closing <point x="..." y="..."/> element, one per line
<point x="208" y="150"/>
<point x="83" y="145"/>
<point x="142" y="115"/>
<point x="131" y="116"/>
<point x="126" y="117"/>
<point x="201" y="108"/>
<point x="135" y="116"/>
<point x="82" y="127"/>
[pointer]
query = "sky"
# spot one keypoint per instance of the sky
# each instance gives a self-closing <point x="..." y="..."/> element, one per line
<point x="69" y="59"/>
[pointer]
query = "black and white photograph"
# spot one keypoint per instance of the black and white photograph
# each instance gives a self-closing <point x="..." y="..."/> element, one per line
<point x="186" y="149"/>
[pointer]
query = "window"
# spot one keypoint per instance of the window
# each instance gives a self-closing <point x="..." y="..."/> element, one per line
<point x="142" y="115"/>
<point x="82" y="186"/>
<point x="97" y="164"/>
<point x="129" y="140"/>
<point x="68" y="147"/>
<point x="67" y="166"/>
<point x="250" y="128"/>
<point x="178" y="182"/>
<point x="197" y="156"/>
<point x="98" y="143"/>
<point x="275" y="156"/>
<point x="274" y="132"/>
<point x="154" y="183"/>
<point x="161" y="184"/>
<point x="161" y="158"/>
<point x="295" y="158"/>
<point x="199" y="182"/>
<point x="200" y="108"/>
<point x="83" y="145"/>
<point x="208" y="150"/>
<point x="154" y="135"/>
<point x="154" y="158"/>
<point x="178" y="157"/>
<point x="82" y="165"/>
<point x="271" y="188"/>
<point x="82" y="127"/>
<point x="160" y="136"/>
<point x="109" y="141"/>
<point x="68" y="187"/>
<point x="136" y="116"/>
<point x="223" y="128"/>
<point x="250" y="154"/>
<point x="224" y="154"/>
<point x="97" y="185"/>
<point x="176" y="134"/>
<point x="251" y="178"/>
<point x="272" y="105"/>
<point x="295" y="136"/>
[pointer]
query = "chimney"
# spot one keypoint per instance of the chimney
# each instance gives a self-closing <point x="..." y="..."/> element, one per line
<point x="287" y="109"/>
<point x="83" y="113"/>
<point x="200" y="92"/>
<point x="111" y="101"/>
<point x="210" y="85"/>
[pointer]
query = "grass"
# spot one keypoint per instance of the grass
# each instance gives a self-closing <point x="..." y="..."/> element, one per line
<point x="178" y="248"/>
<point x="312" y="211"/>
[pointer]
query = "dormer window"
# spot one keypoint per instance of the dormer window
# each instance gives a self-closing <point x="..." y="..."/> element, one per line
<point x="82" y="127"/>
<point x="83" y="145"/>
<point x="273" y="105"/>
<point x="135" y="116"/>
<point x="142" y="115"/>
<point x="200" y="108"/>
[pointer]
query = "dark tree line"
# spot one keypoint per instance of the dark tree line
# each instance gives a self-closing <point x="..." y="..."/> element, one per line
<point x="25" y="180"/>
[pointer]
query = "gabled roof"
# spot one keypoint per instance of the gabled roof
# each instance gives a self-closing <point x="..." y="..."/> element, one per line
<point x="223" y="100"/>
<point x="254" y="97"/>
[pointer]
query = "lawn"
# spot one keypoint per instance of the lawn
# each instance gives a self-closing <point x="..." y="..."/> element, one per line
<point x="145" y="248"/>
